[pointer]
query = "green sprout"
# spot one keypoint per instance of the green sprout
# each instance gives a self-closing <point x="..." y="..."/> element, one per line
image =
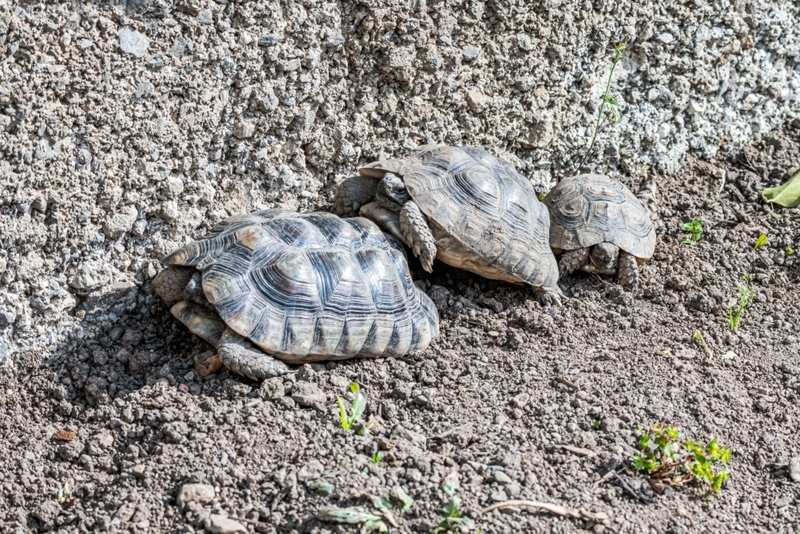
<point x="377" y="457"/>
<point x="452" y="522"/>
<point x="64" y="496"/>
<point x="695" y="229"/>
<point x="698" y="335"/>
<point x="356" y="408"/>
<point x="789" y="251"/>
<point x="668" y="457"/>
<point x="761" y="241"/>
<point x="747" y="294"/>
<point x="608" y="99"/>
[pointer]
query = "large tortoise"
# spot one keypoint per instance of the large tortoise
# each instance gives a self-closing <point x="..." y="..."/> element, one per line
<point x="301" y="287"/>
<point x="599" y="226"/>
<point x="463" y="206"/>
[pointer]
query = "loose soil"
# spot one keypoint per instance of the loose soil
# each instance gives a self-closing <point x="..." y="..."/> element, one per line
<point x="504" y="388"/>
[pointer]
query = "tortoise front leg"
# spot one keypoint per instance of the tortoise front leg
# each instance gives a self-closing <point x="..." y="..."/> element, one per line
<point x="386" y="219"/>
<point x="572" y="260"/>
<point x="627" y="270"/>
<point x="199" y="321"/>
<point x="418" y="234"/>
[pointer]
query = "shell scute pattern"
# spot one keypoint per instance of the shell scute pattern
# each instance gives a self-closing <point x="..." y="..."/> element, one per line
<point x="307" y="287"/>
<point x="487" y="206"/>
<point x="589" y="209"/>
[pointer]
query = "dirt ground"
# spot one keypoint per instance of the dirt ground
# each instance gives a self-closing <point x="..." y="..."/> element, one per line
<point x="491" y="400"/>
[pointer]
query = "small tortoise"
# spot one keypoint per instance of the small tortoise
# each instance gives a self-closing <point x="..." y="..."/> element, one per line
<point x="599" y="226"/>
<point x="463" y="206"/>
<point x="302" y="287"/>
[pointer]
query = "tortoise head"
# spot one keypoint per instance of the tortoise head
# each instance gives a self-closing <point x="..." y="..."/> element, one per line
<point x="604" y="256"/>
<point x="392" y="192"/>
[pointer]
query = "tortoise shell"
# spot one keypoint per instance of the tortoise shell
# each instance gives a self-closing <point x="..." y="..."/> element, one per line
<point x="591" y="208"/>
<point x="311" y="286"/>
<point x="484" y="215"/>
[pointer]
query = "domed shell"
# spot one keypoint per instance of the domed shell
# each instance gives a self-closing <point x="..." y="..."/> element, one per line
<point x="591" y="208"/>
<point x="311" y="286"/>
<point x="481" y="208"/>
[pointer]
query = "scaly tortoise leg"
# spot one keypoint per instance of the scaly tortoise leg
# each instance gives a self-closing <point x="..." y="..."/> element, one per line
<point x="572" y="260"/>
<point x="418" y="234"/>
<point x="241" y="356"/>
<point x="386" y="219"/>
<point x="352" y="194"/>
<point x="627" y="270"/>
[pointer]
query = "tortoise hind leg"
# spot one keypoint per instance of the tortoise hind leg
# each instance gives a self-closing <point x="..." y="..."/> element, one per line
<point x="572" y="260"/>
<point x="240" y="355"/>
<point x="627" y="270"/>
<point x="418" y="235"/>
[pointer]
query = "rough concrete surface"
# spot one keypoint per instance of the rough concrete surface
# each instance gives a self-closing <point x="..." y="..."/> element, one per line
<point x="128" y="130"/>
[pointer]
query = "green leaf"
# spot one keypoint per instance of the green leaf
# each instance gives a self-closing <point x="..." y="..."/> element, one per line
<point x="322" y="486"/>
<point x="761" y="241"/>
<point x="343" y="414"/>
<point x="450" y="483"/>
<point x="789" y="251"/>
<point x="381" y="503"/>
<point x="375" y="525"/>
<point x="786" y="195"/>
<point x="359" y="403"/>
<point x="403" y="497"/>
<point x="352" y="515"/>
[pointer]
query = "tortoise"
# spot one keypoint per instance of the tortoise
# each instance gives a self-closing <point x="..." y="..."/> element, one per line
<point x="463" y="206"/>
<point x="274" y="288"/>
<point x="599" y="226"/>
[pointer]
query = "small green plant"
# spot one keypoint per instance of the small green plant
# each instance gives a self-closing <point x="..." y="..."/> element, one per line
<point x="747" y="294"/>
<point x="596" y="424"/>
<point x="789" y="251"/>
<point x="64" y="496"/>
<point x="761" y="241"/>
<point x="698" y="335"/>
<point x="453" y="521"/>
<point x="607" y="100"/>
<point x="377" y="457"/>
<point x="356" y="408"/>
<point x="695" y="229"/>
<point x="668" y="457"/>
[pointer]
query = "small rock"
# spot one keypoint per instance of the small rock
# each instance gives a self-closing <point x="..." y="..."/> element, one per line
<point x="244" y="129"/>
<point x="312" y="469"/>
<point x="104" y="439"/>
<point x="200" y="493"/>
<point x="666" y="37"/>
<point x="794" y="469"/>
<point x="610" y="424"/>
<point x="520" y="400"/>
<point x="218" y="524"/>
<point x="64" y="435"/>
<point x="476" y="100"/>
<point x="133" y="42"/>
<point x="47" y="512"/>
<point x="470" y="52"/>
<point x="786" y="500"/>
<point x="271" y="389"/>
<point x="121" y="222"/>
<point x="308" y="395"/>
<point x="502" y="478"/>
<point x="209" y="366"/>
<point x="39" y="204"/>
<point x="499" y="496"/>
<point x="138" y="471"/>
